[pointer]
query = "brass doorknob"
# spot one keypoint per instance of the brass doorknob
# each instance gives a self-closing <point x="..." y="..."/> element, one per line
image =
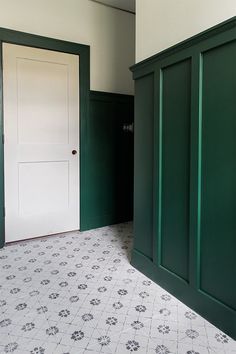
<point x="74" y="152"/>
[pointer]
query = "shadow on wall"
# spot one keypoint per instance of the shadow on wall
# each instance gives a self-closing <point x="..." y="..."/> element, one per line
<point x="121" y="44"/>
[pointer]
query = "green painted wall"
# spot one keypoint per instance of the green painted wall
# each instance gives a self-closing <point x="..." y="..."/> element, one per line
<point x="109" y="186"/>
<point x="185" y="161"/>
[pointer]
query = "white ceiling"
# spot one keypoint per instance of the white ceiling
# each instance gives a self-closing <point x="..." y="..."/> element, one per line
<point x="127" y="5"/>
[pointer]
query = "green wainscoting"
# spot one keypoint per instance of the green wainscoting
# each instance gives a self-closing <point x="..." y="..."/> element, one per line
<point x="109" y="186"/>
<point x="185" y="172"/>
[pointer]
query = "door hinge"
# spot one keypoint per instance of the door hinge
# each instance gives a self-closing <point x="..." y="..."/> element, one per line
<point x="3" y="139"/>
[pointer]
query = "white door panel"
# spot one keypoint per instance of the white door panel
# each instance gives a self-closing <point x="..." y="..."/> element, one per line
<point x="41" y="110"/>
<point x="49" y="95"/>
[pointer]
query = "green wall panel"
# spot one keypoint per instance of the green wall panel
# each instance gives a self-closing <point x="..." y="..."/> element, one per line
<point x="101" y="162"/>
<point x="218" y="206"/>
<point x="143" y="165"/>
<point x="185" y="172"/>
<point x="109" y="184"/>
<point x="176" y="104"/>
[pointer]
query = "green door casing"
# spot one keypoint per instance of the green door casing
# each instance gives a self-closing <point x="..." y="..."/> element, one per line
<point x="185" y="161"/>
<point x="21" y="38"/>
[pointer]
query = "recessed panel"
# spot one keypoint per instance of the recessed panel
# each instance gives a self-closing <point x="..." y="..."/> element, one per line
<point x="176" y="105"/>
<point x="143" y="165"/>
<point x="218" y="209"/>
<point x="42" y="102"/>
<point x="43" y="187"/>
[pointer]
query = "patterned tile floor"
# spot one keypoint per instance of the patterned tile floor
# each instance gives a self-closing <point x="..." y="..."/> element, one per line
<point x="77" y="293"/>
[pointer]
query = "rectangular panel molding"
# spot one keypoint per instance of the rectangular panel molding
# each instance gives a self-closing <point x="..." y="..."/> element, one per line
<point x="218" y="156"/>
<point x="42" y="92"/>
<point x="185" y="172"/>
<point x="175" y="167"/>
<point x="143" y="184"/>
<point x="47" y="195"/>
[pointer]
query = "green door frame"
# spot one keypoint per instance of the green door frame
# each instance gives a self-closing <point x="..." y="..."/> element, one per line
<point x="32" y="40"/>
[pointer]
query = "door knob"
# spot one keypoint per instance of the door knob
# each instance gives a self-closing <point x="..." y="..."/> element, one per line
<point x="74" y="152"/>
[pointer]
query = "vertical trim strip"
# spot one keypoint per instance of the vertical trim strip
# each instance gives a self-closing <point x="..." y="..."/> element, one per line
<point x="195" y="170"/>
<point x="2" y="200"/>
<point x="156" y="104"/>
<point x="199" y="188"/>
<point x="160" y="170"/>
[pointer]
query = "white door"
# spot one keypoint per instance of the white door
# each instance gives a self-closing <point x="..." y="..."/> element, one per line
<point x="41" y="127"/>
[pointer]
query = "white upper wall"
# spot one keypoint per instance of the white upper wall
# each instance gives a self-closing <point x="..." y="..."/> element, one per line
<point x="163" y="23"/>
<point x="109" y="32"/>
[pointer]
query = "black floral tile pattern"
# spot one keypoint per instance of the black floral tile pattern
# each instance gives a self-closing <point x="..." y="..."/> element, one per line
<point x="77" y="293"/>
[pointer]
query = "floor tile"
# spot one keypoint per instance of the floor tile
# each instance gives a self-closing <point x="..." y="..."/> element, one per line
<point x="77" y="293"/>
